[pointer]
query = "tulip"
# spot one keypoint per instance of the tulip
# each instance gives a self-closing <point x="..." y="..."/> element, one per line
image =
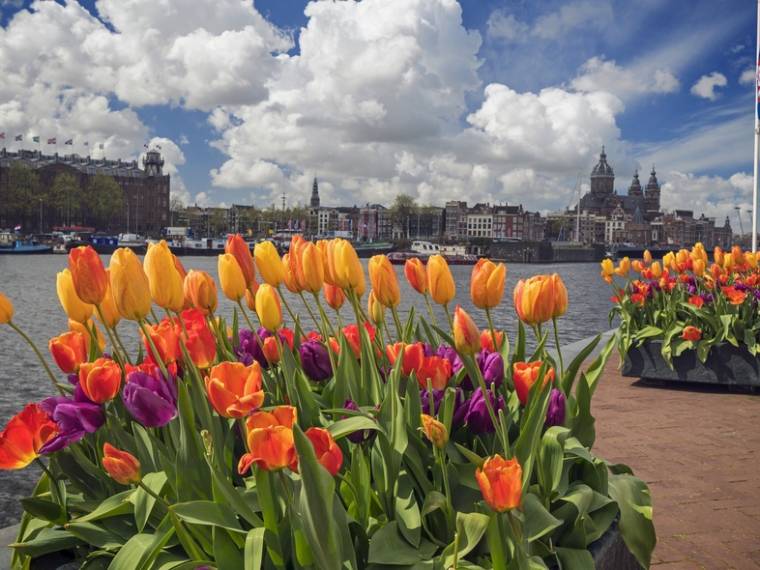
<point x="121" y="466"/>
<point x="150" y="399"/>
<point x="347" y="269"/>
<point x="270" y="440"/>
<point x="360" y="436"/>
<point x="416" y="275"/>
<point x="487" y="283"/>
<point x="326" y="449"/>
<point x="327" y="249"/>
<point x="75" y="418"/>
<point x="164" y="281"/>
<point x="608" y="270"/>
<point x="384" y="281"/>
<point x="268" y="307"/>
<point x="334" y="296"/>
<point x="200" y="290"/>
<point x="108" y="314"/>
<point x="698" y="267"/>
<point x="313" y="268"/>
<point x="491" y="365"/>
<point x="487" y="340"/>
<point x="436" y="370"/>
<point x="734" y="295"/>
<point x="250" y="296"/>
<point x="540" y="298"/>
<point x="235" y="390"/>
<point x="477" y="417"/>
<point x="466" y="334"/>
<point x="500" y="482"/>
<point x="669" y="260"/>
<point x="555" y="415"/>
<point x="231" y="278"/>
<point x="269" y="264"/>
<point x="525" y="374"/>
<point x="129" y="285"/>
<point x="412" y="356"/>
<point x="656" y="269"/>
<point x="100" y="380"/>
<point x="88" y="274"/>
<point x="24" y="436"/>
<point x="87" y="330"/>
<point x="165" y="336"/>
<point x="69" y="351"/>
<point x="74" y="307"/>
<point x="290" y="278"/>
<point x="354" y="338"/>
<point x="434" y="430"/>
<point x="6" y="310"/>
<point x="375" y="309"/>
<point x="237" y="247"/>
<point x="647" y="257"/>
<point x="315" y="360"/>
<point x="450" y="354"/>
<point x="691" y="333"/>
<point x="440" y="281"/>
<point x="560" y="296"/>
<point x="198" y="338"/>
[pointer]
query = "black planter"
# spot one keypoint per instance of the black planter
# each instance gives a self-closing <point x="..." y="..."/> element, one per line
<point x="726" y="365"/>
<point x="611" y="553"/>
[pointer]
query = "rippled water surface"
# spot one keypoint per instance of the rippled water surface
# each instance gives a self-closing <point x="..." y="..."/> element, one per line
<point x="30" y="282"/>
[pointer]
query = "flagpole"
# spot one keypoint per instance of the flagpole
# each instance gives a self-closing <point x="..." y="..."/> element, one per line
<point x="757" y="130"/>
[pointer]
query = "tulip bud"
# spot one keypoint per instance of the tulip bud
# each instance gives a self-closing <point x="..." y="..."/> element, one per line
<point x="88" y="274"/>
<point x="555" y="415"/>
<point x="691" y="333"/>
<point x="500" y="481"/>
<point x="434" y="430"/>
<point x="315" y="360"/>
<point x="656" y="270"/>
<point x="326" y="449"/>
<point x="647" y="257"/>
<point x="313" y="268"/>
<point x="200" y="290"/>
<point x="440" y="281"/>
<point x="268" y="263"/>
<point x="100" y="380"/>
<point x="69" y="351"/>
<point x="349" y="274"/>
<point x="487" y="283"/>
<point x="6" y="310"/>
<point x="466" y="334"/>
<point x="231" y="277"/>
<point x="560" y="296"/>
<point x="698" y="267"/>
<point x="525" y="374"/>
<point x="416" y="275"/>
<point x="75" y="308"/>
<point x="412" y="356"/>
<point x="487" y="340"/>
<point x="334" y="296"/>
<point x="121" y="466"/>
<point x="326" y="249"/>
<point x="129" y="285"/>
<point x="436" y="370"/>
<point x="375" y="309"/>
<point x="164" y="280"/>
<point x="237" y="247"/>
<point x="250" y="296"/>
<point x="291" y="283"/>
<point x="623" y="268"/>
<point x="268" y="307"/>
<point x="108" y="314"/>
<point x="384" y="282"/>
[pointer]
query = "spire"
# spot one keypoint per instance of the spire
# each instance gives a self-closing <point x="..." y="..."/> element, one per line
<point x="602" y="168"/>
<point x="635" y="188"/>
<point x="314" y="203"/>
<point x="653" y="184"/>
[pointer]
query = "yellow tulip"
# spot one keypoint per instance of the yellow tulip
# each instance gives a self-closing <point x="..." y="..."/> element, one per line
<point x="487" y="283"/>
<point x="74" y="307"/>
<point x="110" y="313"/>
<point x="440" y="281"/>
<point x="560" y="296"/>
<point x="200" y="291"/>
<point x="129" y="285"/>
<point x="718" y="255"/>
<point x="751" y="259"/>
<point x="656" y="270"/>
<point x="624" y="267"/>
<point x="347" y="268"/>
<point x="669" y="260"/>
<point x="164" y="279"/>
<point x="6" y="310"/>
<point x="268" y="263"/>
<point x="384" y="281"/>
<point x="608" y="269"/>
<point x="647" y="257"/>
<point x="534" y="299"/>
<point x="375" y="309"/>
<point x="268" y="307"/>
<point x="698" y="267"/>
<point x="313" y="268"/>
<point x="85" y="329"/>
<point x="231" y="277"/>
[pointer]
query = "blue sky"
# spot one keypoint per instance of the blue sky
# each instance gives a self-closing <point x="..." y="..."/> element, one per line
<point x="494" y="100"/>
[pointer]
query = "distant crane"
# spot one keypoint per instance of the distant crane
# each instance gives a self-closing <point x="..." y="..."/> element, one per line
<point x="739" y="215"/>
<point x="576" y="190"/>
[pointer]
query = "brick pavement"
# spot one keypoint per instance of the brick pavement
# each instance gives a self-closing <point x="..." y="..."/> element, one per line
<point x="699" y="451"/>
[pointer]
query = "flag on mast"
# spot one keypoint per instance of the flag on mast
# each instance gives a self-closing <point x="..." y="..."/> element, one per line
<point x="36" y="139"/>
<point x="2" y="135"/>
<point x="70" y="141"/>
<point x="52" y="141"/>
<point x="19" y="137"/>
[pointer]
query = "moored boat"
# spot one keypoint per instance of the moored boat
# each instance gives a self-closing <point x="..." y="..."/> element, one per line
<point x="24" y="247"/>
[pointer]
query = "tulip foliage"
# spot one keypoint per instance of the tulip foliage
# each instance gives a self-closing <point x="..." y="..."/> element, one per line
<point x="686" y="302"/>
<point x="320" y="445"/>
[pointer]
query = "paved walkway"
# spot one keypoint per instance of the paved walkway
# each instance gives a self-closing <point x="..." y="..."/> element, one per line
<point x="699" y="451"/>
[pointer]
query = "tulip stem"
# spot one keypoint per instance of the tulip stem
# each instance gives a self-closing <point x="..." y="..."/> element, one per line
<point x="430" y="309"/>
<point x="448" y="317"/>
<point x="287" y="306"/>
<point x="397" y="321"/>
<point x="156" y="496"/>
<point x="29" y="341"/>
<point x="559" y="349"/>
<point x="325" y="320"/>
<point x="308" y="308"/>
<point x="440" y="456"/>
<point x="489" y="406"/>
<point x="53" y="481"/>
<point x="153" y="349"/>
<point x="245" y="315"/>
<point x="496" y="346"/>
<point x="121" y="345"/>
<point x="117" y="356"/>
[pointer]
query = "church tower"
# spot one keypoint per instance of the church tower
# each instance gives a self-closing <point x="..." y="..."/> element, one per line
<point x="602" y="177"/>
<point x="314" y="203"/>
<point x="635" y="188"/>
<point x="652" y="194"/>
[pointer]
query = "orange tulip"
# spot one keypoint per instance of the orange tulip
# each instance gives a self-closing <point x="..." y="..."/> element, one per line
<point x="199" y="340"/>
<point x="384" y="281"/>
<point x="435" y="370"/>
<point x="271" y="350"/>
<point x="24" y="436"/>
<point x="487" y="340"/>
<point x="235" y="390"/>
<point x="74" y="307"/>
<point x="200" y="290"/>
<point x="525" y="374"/>
<point x="691" y="333"/>
<point x="121" y="466"/>
<point x="560" y="296"/>
<point x="6" y="310"/>
<point x="487" y="283"/>
<point x="535" y="298"/>
<point x="334" y="296"/>
<point x="734" y="296"/>
<point x="500" y="481"/>
<point x="412" y="356"/>
<point x="698" y="267"/>
<point x="86" y="330"/>
<point x="88" y="273"/>
<point x="165" y="336"/>
<point x="268" y="307"/>
<point x="440" y="281"/>
<point x="466" y="334"/>
<point x="108" y="315"/>
<point x="270" y="440"/>
<point x="250" y="296"/>
<point x="623" y="268"/>
<point x="647" y="257"/>
<point x="326" y="449"/>
<point x="416" y="275"/>
<point x="312" y="268"/>
<point x="327" y="251"/>
<point x="354" y="339"/>
<point x="237" y="247"/>
<point x="69" y="351"/>
<point x="290" y="277"/>
<point x="434" y="430"/>
<point x="100" y="380"/>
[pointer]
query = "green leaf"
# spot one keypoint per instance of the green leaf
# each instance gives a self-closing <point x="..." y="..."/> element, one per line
<point x="387" y="546"/>
<point x="47" y="540"/>
<point x="538" y="521"/>
<point x="144" y="501"/>
<point x="572" y="370"/>
<point x="470" y="530"/>
<point x="43" y="509"/>
<point x="407" y="510"/>
<point x="254" y="549"/>
<point x="347" y="426"/>
<point x="95" y="535"/>
<point x="635" y="503"/>
<point x="207" y="513"/>
<point x="575" y="559"/>
<point x="227" y="554"/>
<point x="648" y="331"/>
<point x="113" y="506"/>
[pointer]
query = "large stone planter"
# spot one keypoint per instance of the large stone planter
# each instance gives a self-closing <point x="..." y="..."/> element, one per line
<point x="725" y="364"/>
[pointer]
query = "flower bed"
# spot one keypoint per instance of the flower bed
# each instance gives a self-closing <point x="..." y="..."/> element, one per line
<point x="381" y="443"/>
<point x="703" y="317"/>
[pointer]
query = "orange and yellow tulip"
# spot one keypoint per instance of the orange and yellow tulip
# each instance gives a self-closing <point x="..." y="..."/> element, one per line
<point x="88" y="274"/>
<point x="100" y="380"/>
<point x="466" y="334"/>
<point x="268" y="263"/>
<point x="334" y="296"/>
<point x="487" y="283"/>
<point x="525" y="374"/>
<point x="6" y="310"/>
<point x="416" y="275"/>
<point x="270" y="440"/>
<point x="268" y="307"/>
<point x="412" y="356"/>
<point x="384" y="281"/>
<point x="69" y="350"/>
<point x="200" y="291"/>
<point x="86" y="330"/>
<point x="291" y="283"/>
<point x="24" y="436"/>
<point x="75" y="308"/>
<point x="326" y="449"/>
<point x="608" y="270"/>
<point x="327" y="250"/>
<point x="312" y="268"/>
<point x="487" y="340"/>
<point x="164" y="281"/>
<point x="129" y="285"/>
<point x="540" y="298"/>
<point x="165" y="336"/>
<point x="434" y="430"/>
<point x="108" y="314"/>
<point x="235" y="390"/>
<point x="500" y="482"/>
<point x="623" y="268"/>
<point x="237" y="247"/>
<point x="691" y="333"/>
<point x="647" y="256"/>
<point x="250" y="296"/>
<point x="231" y="277"/>
<point x="440" y="281"/>
<point x="121" y="466"/>
<point x="375" y="309"/>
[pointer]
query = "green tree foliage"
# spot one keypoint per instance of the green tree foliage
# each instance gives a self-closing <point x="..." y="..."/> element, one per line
<point x="65" y="197"/>
<point x="403" y="206"/>
<point x="22" y="199"/>
<point x="105" y="200"/>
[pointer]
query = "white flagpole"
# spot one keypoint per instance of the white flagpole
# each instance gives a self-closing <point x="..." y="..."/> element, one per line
<point x="757" y="131"/>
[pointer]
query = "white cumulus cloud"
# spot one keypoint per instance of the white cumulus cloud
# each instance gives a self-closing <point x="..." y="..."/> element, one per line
<point x="706" y="85"/>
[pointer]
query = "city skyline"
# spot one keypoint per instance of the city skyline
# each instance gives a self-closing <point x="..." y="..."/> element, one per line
<point x="248" y="102"/>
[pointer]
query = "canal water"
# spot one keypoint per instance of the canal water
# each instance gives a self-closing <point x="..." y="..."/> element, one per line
<point x="29" y="281"/>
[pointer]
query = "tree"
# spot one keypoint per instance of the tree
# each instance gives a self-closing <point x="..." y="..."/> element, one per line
<point x="403" y="206"/>
<point x="21" y="201"/>
<point x="105" y="200"/>
<point x="66" y="196"/>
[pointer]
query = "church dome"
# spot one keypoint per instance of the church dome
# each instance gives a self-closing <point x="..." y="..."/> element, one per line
<point x="602" y="168"/>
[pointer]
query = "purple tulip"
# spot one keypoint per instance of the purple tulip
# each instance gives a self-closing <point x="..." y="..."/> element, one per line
<point x="315" y="360"/>
<point x="555" y="415"/>
<point x="450" y="354"/>
<point x="150" y="400"/>
<point x="250" y="348"/>
<point x="707" y="297"/>
<point x="477" y="417"/>
<point x="76" y="417"/>
<point x="740" y="286"/>
<point x="362" y="435"/>
<point x="425" y="400"/>
<point x="427" y="349"/>
<point x="491" y="365"/>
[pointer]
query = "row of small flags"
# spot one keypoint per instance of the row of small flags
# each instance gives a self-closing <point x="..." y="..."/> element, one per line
<point x="53" y="140"/>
